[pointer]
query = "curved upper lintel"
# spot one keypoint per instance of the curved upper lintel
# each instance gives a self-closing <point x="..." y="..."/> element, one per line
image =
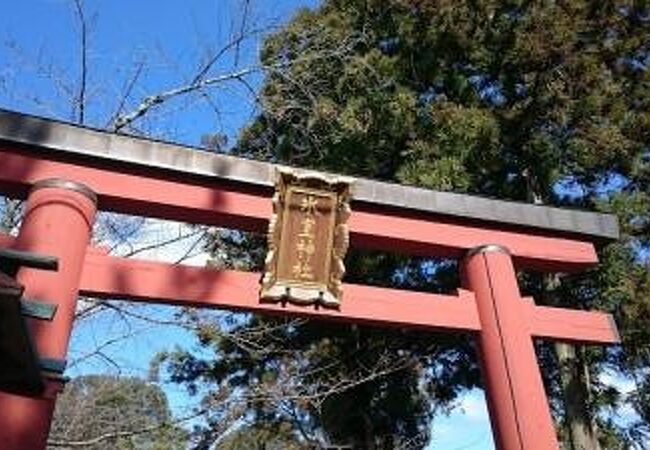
<point x="109" y="148"/>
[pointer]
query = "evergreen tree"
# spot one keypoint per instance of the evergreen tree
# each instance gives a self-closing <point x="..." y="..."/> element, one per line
<point x="545" y="102"/>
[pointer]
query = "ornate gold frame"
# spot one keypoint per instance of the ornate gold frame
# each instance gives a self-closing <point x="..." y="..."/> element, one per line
<point x="302" y="292"/>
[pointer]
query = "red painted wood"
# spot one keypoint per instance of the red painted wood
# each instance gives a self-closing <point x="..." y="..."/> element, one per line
<point x="25" y="421"/>
<point x="570" y="325"/>
<point x="112" y="277"/>
<point x="141" y="194"/>
<point x="183" y="200"/>
<point x="449" y="238"/>
<point x="517" y="403"/>
<point x="101" y="274"/>
<point x="57" y="222"/>
<point x="7" y="241"/>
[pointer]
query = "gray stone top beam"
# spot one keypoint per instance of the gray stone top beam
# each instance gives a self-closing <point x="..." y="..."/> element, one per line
<point x="73" y="140"/>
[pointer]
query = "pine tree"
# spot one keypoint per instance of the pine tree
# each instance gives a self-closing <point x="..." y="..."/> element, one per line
<point x="545" y="102"/>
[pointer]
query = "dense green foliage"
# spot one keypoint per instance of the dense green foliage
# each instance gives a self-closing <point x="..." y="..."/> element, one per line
<point x="531" y="101"/>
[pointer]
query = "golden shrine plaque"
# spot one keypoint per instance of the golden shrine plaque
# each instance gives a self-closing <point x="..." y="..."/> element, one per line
<point x="308" y="239"/>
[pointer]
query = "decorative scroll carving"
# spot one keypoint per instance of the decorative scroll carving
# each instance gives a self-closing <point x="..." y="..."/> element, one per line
<point x="307" y="238"/>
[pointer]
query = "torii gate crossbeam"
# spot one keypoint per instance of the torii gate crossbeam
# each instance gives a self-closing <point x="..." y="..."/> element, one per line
<point x="118" y="173"/>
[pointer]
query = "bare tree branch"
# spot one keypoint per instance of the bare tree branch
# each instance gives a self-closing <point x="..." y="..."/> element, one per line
<point x="127" y="92"/>
<point x="120" y="434"/>
<point x="200" y="82"/>
<point x="11" y="214"/>
<point x="81" y="97"/>
<point x="234" y="43"/>
<point x="153" y="100"/>
<point x="242" y="27"/>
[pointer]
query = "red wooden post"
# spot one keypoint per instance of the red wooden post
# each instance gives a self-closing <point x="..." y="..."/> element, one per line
<point x="171" y="182"/>
<point x="58" y="221"/>
<point x="517" y="403"/>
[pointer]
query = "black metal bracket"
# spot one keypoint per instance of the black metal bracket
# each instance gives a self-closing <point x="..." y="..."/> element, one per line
<point x="52" y="369"/>
<point x="37" y="309"/>
<point x="53" y="365"/>
<point x="12" y="260"/>
<point x="23" y="372"/>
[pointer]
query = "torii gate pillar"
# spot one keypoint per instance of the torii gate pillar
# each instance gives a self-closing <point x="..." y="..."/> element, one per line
<point x="58" y="221"/>
<point x="135" y="176"/>
<point x="516" y="400"/>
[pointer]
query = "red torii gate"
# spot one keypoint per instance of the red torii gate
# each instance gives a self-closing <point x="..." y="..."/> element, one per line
<point x="66" y="172"/>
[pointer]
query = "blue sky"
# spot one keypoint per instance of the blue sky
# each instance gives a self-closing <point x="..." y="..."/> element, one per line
<point x="161" y="48"/>
<point x="158" y="49"/>
<point x="165" y="46"/>
<point x="134" y="342"/>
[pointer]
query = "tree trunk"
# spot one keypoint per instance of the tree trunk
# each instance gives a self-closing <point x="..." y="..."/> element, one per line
<point x="580" y="428"/>
<point x="369" y="434"/>
<point x="574" y="380"/>
<point x="574" y="372"/>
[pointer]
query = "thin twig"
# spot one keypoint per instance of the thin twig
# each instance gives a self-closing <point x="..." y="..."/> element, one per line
<point x="127" y="93"/>
<point x="153" y="100"/>
<point x="242" y="28"/>
<point x="121" y="434"/>
<point x="81" y="99"/>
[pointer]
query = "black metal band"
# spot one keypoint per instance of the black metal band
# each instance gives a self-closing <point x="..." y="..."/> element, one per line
<point x="60" y="183"/>
<point x="37" y="309"/>
<point x="53" y="365"/>
<point x="11" y="260"/>
<point x="487" y="248"/>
